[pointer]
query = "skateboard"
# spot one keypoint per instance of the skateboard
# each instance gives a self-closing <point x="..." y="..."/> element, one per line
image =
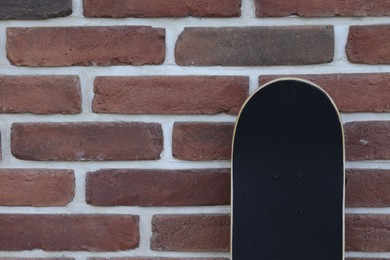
<point x="288" y="175"/>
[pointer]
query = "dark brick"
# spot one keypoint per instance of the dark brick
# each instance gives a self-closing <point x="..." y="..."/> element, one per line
<point x="255" y="46"/>
<point x="34" y="9"/>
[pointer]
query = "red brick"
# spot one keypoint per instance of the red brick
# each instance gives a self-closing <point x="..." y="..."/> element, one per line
<point x="154" y="258"/>
<point x="31" y="10"/>
<point x="162" y="8"/>
<point x="85" y="46"/>
<point x="366" y="258"/>
<point x="351" y="92"/>
<point x="86" y="141"/>
<point x="369" y="44"/>
<point x="40" y="94"/>
<point x="320" y="8"/>
<point x="367" y="188"/>
<point x="170" y="94"/>
<point x="29" y="258"/>
<point x="255" y="46"/>
<point x="367" y="140"/>
<point x="367" y="233"/>
<point x="202" y="141"/>
<point x="36" y="187"/>
<point x="191" y="233"/>
<point x="134" y="187"/>
<point x="68" y="232"/>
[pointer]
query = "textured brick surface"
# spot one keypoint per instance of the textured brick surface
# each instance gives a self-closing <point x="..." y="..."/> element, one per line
<point x="351" y="92"/>
<point x="40" y="94"/>
<point x="86" y="141"/>
<point x="319" y="8"/>
<point x="170" y="94"/>
<point x="162" y="8"/>
<point x="68" y="232"/>
<point x="255" y="46"/>
<point x="155" y="258"/>
<point x="90" y="101"/>
<point x="367" y="233"/>
<point x="367" y="188"/>
<point x="194" y="233"/>
<point x="28" y="9"/>
<point x="369" y="44"/>
<point x="367" y="258"/>
<point x="85" y="46"/>
<point x="367" y="140"/>
<point x="158" y="187"/>
<point x="35" y="258"/>
<point x="202" y="141"/>
<point x="36" y="187"/>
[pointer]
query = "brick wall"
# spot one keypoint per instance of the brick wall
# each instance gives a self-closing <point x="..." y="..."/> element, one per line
<point x="117" y="117"/>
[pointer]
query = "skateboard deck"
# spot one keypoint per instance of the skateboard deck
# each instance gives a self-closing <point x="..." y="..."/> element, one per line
<point x="288" y="175"/>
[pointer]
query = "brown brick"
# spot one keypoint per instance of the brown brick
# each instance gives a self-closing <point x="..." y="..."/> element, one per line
<point x="367" y="140"/>
<point x="85" y="46"/>
<point x="366" y="258"/>
<point x="36" y="187"/>
<point x="255" y="46"/>
<point x="31" y="10"/>
<point x="320" y="8"/>
<point x="40" y="94"/>
<point x="191" y="233"/>
<point x="134" y="187"/>
<point x="367" y="233"/>
<point x="86" y="141"/>
<point x="29" y="258"/>
<point x="202" y="141"/>
<point x="162" y="8"/>
<point x="170" y="94"/>
<point x="369" y="44"/>
<point x="351" y="92"/>
<point x="153" y="258"/>
<point x="68" y="232"/>
<point x="367" y="188"/>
